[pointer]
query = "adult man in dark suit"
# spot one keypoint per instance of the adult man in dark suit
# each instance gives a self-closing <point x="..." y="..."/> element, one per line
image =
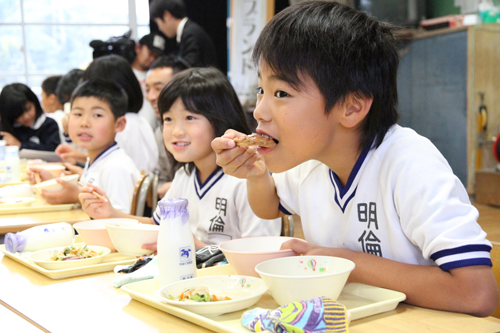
<point x="195" y="46"/>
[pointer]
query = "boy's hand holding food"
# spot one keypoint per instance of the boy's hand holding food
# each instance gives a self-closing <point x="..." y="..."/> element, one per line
<point x="238" y="159"/>
<point x="94" y="206"/>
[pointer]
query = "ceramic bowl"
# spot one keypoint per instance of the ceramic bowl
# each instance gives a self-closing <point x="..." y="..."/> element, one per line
<point x="128" y="239"/>
<point x="53" y="186"/>
<point x="94" y="232"/>
<point x="244" y="253"/>
<point x="244" y="292"/>
<point x="55" y="169"/>
<point x="299" y="278"/>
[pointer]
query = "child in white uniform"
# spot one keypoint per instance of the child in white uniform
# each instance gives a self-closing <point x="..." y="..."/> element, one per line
<point x="366" y="189"/>
<point x="137" y="138"/>
<point x="197" y="105"/>
<point x="97" y="114"/>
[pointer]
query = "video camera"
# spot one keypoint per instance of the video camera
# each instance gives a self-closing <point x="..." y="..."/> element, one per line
<point x="120" y="45"/>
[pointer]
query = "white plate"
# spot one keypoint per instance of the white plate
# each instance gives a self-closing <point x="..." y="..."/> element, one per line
<point x="244" y="292"/>
<point x="42" y="257"/>
<point x="53" y="186"/>
<point x="16" y="202"/>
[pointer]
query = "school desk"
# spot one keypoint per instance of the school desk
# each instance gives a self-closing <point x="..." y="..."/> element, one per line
<point x="90" y="304"/>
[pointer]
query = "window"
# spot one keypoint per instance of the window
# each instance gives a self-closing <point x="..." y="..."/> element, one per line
<point x="40" y="38"/>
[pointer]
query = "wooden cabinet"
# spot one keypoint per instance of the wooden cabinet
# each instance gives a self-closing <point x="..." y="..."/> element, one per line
<point x="440" y="77"/>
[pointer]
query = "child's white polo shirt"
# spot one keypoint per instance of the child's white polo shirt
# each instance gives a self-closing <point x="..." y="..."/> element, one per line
<point x="114" y="172"/>
<point x="401" y="202"/>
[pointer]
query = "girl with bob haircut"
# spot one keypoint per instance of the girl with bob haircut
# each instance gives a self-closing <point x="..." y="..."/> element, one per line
<point x="196" y="106"/>
<point x="24" y="124"/>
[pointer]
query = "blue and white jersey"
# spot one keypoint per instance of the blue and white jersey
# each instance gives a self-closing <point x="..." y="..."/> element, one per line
<point x="218" y="209"/>
<point x="401" y="202"/>
<point x="115" y="172"/>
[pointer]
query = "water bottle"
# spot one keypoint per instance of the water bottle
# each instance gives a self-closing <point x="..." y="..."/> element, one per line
<point x="175" y="245"/>
<point x="12" y="165"/>
<point x="40" y="237"/>
<point x="3" y="145"/>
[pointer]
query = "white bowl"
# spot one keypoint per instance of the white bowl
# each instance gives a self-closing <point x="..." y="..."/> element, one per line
<point x="54" y="168"/>
<point x="299" y="278"/>
<point x="244" y="292"/>
<point x="17" y="191"/>
<point x="128" y="239"/>
<point x="53" y="186"/>
<point x="94" y="232"/>
<point x="16" y="202"/>
<point x="41" y="258"/>
<point x="244" y="253"/>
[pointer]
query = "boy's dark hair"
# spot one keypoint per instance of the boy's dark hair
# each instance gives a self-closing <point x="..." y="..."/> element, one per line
<point x="208" y="92"/>
<point x="176" y="7"/>
<point x="117" y="69"/>
<point x="67" y="84"/>
<point x="177" y="64"/>
<point x="13" y="99"/>
<point x="343" y="51"/>
<point x="49" y="85"/>
<point x="106" y="91"/>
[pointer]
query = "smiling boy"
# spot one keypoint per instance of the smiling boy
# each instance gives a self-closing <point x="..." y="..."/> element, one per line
<point x="366" y="189"/>
<point x="97" y="113"/>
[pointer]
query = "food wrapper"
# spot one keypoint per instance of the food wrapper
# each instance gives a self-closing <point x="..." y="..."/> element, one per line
<point x="174" y="208"/>
<point x="148" y="271"/>
<point x="319" y="314"/>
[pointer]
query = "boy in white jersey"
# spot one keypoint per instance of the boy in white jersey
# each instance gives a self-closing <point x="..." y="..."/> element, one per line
<point x="97" y="114"/>
<point x="365" y="188"/>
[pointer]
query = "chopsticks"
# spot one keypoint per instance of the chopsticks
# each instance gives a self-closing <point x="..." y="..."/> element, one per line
<point x="95" y="193"/>
<point x="37" y="178"/>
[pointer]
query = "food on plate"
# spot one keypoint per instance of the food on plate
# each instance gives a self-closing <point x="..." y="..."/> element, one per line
<point x="74" y="253"/>
<point x="255" y="140"/>
<point x="198" y="294"/>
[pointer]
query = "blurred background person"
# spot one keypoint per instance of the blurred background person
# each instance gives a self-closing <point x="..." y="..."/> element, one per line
<point x="195" y="45"/>
<point x="158" y="76"/>
<point x="24" y="124"/>
<point x="149" y="48"/>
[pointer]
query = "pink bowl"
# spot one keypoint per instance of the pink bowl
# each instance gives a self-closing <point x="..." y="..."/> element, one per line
<point x="245" y="253"/>
<point x="94" y="232"/>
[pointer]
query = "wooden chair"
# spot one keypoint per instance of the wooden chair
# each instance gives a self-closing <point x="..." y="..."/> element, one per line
<point x="145" y="193"/>
<point x="287" y="226"/>
<point x="495" y="259"/>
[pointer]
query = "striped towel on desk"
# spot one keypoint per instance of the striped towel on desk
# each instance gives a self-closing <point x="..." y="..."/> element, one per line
<point x="320" y="314"/>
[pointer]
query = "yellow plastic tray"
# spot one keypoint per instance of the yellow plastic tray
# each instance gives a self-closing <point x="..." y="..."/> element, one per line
<point x="108" y="264"/>
<point x="361" y="301"/>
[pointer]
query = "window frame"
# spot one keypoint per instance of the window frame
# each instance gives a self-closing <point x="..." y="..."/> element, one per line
<point x="132" y="24"/>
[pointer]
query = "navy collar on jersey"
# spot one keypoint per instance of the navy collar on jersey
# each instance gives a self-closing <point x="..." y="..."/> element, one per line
<point x="340" y="190"/>
<point x="202" y="189"/>
<point x="104" y="153"/>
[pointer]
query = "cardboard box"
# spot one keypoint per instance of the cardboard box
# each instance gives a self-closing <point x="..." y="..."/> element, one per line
<point x="488" y="187"/>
